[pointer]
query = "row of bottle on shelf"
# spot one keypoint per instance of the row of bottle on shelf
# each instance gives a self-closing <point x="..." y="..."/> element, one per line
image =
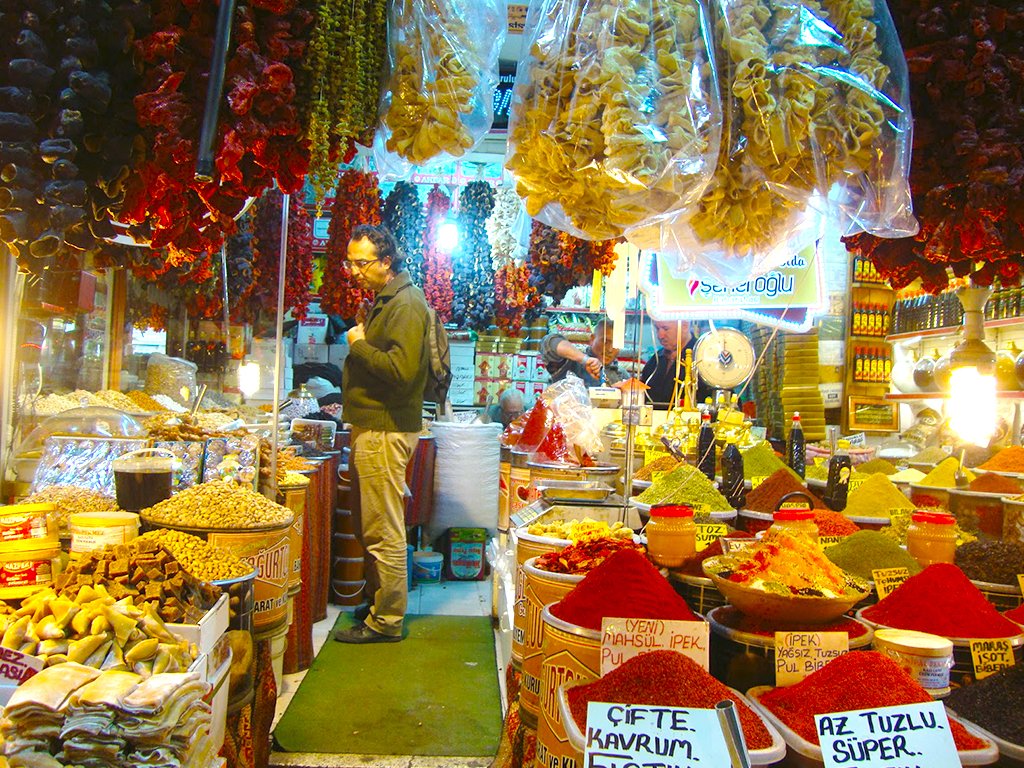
<point x="864" y="271"/>
<point x="918" y="311"/>
<point x="872" y="365"/>
<point x="1005" y="302"/>
<point x="870" y="319"/>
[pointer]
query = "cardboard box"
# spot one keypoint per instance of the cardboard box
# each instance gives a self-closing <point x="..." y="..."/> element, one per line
<point x="310" y="353"/>
<point x="312" y="330"/>
<point x="485" y="361"/>
<point x="210" y="629"/>
<point x="538" y="388"/>
<point x="336" y="353"/>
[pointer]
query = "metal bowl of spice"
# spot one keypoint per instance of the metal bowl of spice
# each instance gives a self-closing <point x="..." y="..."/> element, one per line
<point x="808" y="608"/>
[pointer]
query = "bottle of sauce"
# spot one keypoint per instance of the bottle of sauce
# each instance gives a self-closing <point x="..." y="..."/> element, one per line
<point x="796" y="452"/>
<point x="706" y="452"/>
<point x="732" y="475"/>
<point x="839" y="469"/>
<point x="671" y="535"/>
<point x="931" y="537"/>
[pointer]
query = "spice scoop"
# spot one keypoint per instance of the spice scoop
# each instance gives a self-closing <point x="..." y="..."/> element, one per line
<point x="960" y="477"/>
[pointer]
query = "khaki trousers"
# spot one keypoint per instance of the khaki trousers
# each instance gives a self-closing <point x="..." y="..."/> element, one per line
<point x="380" y="459"/>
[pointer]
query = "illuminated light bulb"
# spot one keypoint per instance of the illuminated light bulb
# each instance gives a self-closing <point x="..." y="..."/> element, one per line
<point x="249" y="378"/>
<point x="972" y="405"/>
<point x="447" y="237"/>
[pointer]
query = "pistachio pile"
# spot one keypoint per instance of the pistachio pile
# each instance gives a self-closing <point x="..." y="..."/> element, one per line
<point x="219" y="504"/>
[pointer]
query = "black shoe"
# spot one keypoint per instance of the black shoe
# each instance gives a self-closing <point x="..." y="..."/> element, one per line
<point x="360" y="613"/>
<point x="362" y="634"/>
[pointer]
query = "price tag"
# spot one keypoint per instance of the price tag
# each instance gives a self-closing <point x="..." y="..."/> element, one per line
<point x="650" y="455"/>
<point x="756" y="480"/>
<point x="794" y="505"/>
<point x="708" y="533"/>
<point x="730" y="545"/>
<point x="622" y="639"/>
<point x="907" y="735"/>
<point x="855" y="483"/>
<point x="620" y="735"/>
<point x="798" y="654"/>
<point x="990" y="656"/>
<point x="828" y="541"/>
<point x="15" y="668"/>
<point x="887" y="579"/>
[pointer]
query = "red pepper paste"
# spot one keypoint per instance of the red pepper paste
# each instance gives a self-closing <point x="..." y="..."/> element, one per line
<point x="833" y="523"/>
<point x="583" y="556"/>
<point x="626" y="586"/>
<point x="734" y="618"/>
<point x="692" y="567"/>
<point x="941" y="600"/>
<point x="667" y="679"/>
<point x="995" y="484"/>
<point x="852" y="681"/>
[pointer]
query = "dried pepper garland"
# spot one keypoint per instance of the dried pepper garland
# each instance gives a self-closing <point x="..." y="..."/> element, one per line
<point x="267" y="246"/>
<point x="966" y="65"/>
<point x="514" y="300"/>
<point x="346" y="56"/>
<point x="66" y="128"/>
<point x="259" y="138"/>
<point x="559" y="261"/>
<point x="357" y="201"/>
<point x="437" y="266"/>
<point x="241" y="269"/>
<point x="473" y="301"/>
<point x="299" y="274"/>
<point x="403" y="215"/>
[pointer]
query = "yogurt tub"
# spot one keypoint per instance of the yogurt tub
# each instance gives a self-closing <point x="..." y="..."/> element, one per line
<point x="25" y="573"/>
<point x="95" y="530"/>
<point x="27" y="527"/>
<point x="926" y="658"/>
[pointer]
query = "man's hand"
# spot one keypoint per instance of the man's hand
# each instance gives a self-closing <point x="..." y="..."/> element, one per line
<point x="355" y="333"/>
<point x="593" y="366"/>
<point x="363" y="311"/>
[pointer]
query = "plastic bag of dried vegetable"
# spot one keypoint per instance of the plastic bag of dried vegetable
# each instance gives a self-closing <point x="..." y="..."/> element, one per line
<point x="438" y="99"/>
<point x="817" y="127"/>
<point x="615" y="115"/>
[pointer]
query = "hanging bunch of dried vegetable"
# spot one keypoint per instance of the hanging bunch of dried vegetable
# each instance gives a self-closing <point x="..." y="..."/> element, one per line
<point x="356" y="201"/>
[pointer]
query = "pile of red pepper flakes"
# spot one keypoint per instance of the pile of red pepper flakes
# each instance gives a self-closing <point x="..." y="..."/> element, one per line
<point x="582" y="557"/>
<point x="260" y="131"/>
<point x="966" y="64"/>
<point x="356" y="201"/>
<point x="437" y="266"/>
<point x="669" y="679"/>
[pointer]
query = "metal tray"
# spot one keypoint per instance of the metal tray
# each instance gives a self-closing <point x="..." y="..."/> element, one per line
<point x="574" y="491"/>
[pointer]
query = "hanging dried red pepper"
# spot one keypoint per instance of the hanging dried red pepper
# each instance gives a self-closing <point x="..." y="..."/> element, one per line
<point x="357" y="201"/>
<point x="437" y="266"/>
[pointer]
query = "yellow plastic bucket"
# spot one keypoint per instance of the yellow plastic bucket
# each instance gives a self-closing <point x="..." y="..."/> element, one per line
<point x="25" y="527"/>
<point x="542" y="588"/>
<point x="25" y="573"/>
<point x="571" y="653"/>
<point x="91" y="531"/>
<point x="527" y="546"/>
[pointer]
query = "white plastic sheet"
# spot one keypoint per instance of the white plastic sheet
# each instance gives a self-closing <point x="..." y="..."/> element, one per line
<point x="465" y="477"/>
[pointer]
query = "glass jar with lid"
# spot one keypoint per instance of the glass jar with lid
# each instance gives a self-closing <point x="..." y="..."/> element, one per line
<point x="671" y="535"/>
<point x="796" y="521"/>
<point x="931" y="537"/>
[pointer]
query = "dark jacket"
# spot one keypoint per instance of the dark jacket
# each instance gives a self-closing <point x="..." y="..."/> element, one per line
<point x="385" y="373"/>
<point x="558" y="366"/>
<point x="659" y="374"/>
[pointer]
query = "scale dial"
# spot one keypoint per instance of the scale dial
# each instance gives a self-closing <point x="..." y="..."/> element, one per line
<point x="724" y="358"/>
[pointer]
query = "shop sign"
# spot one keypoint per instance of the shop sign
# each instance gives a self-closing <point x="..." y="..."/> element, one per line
<point x="991" y="655"/>
<point x="622" y="639"/>
<point x="517" y="18"/>
<point x="888" y="579"/>
<point x="621" y="735"/>
<point x="709" y="533"/>
<point x="786" y="296"/>
<point x="911" y="734"/>
<point x="798" y="654"/>
<point x="320" y="235"/>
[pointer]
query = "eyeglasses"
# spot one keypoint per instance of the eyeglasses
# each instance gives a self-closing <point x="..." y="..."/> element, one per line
<point x="358" y="263"/>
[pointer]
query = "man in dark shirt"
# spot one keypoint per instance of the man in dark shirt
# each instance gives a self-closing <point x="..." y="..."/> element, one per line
<point x="660" y="370"/>
<point x="596" y="365"/>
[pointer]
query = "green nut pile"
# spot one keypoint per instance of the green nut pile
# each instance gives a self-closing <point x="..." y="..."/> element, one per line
<point x="200" y="558"/>
<point x="220" y="504"/>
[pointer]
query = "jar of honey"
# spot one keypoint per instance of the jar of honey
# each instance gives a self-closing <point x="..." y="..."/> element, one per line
<point x="931" y="537"/>
<point x="797" y="521"/>
<point x="671" y="535"/>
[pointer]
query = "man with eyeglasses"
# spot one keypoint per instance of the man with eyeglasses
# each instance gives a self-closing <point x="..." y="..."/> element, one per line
<point x="385" y="373"/>
<point x="508" y="408"/>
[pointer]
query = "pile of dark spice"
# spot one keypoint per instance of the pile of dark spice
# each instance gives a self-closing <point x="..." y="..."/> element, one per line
<point x="733" y="618"/>
<point x="995" y="562"/>
<point x="668" y="679"/>
<point x="692" y="567"/>
<point x="941" y="600"/>
<point x="989" y="483"/>
<point x="626" y="586"/>
<point x="853" y="681"/>
<point x="995" y="703"/>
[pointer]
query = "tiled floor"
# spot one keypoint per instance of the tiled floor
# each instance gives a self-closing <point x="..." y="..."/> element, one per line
<point x="455" y="598"/>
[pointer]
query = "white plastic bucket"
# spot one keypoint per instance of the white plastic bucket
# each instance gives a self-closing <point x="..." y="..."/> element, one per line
<point x="427" y="567"/>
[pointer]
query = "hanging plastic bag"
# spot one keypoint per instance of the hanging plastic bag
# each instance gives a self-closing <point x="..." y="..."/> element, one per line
<point x="817" y="123"/>
<point x="438" y="101"/>
<point x="616" y="113"/>
<point x="570" y="402"/>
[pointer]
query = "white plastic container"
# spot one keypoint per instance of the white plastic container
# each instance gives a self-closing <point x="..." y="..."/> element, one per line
<point x="926" y="658"/>
<point x="427" y="567"/>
